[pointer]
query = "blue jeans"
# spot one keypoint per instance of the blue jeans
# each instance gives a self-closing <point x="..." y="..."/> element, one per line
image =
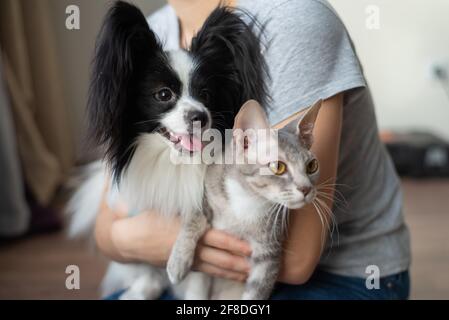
<point x="327" y="286"/>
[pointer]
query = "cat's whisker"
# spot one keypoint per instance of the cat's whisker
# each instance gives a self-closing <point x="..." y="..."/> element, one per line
<point x="324" y="212"/>
<point x="271" y="211"/>
<point x="333" y="220"/>
<point x="272" y="217"/>
<point x="323" y="239"/>
<point x="281" y="213"/>
<point x="331" y="231"/>
<point x="270" y="214"/>
<point x="337" y="194"/>
<point x="274" y="234"/>
<point x="338" y="197"/>
<point x="325" y="182"/>
<point x="286" y="214"/>
<point x="328" y="213"/>
<point x="322" y="223"/>
<point x="325" y="209"/>
<point x="289" y="252"/>
<point x="331" y="185"/>
<point x="337" y="202"/>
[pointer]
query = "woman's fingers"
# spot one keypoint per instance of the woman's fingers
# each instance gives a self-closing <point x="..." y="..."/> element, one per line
<point x="222" y="259"/>
<point x="219" y="272"/>
<point x="221" y="240"/>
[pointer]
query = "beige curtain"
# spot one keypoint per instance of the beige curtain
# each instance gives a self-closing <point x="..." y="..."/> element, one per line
<point x="32" y="77"/>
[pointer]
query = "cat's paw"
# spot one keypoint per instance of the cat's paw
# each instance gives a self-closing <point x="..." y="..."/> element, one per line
<point x="247" y="296"/>
<point x="131" y="294"/>
<point x="177" y="269"/>
<point x="253" y="296"/>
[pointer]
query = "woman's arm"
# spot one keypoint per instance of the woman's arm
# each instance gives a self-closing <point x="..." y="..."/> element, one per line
<point x="304" y="245"/>
<point x="149" y="237"/>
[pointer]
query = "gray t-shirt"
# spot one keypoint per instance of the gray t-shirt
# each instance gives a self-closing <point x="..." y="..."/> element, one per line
<point x="310" y="56"/>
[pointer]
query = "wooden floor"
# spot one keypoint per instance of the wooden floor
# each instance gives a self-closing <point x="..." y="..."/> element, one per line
<point x="427" y="214"/>
<point x="34" y="268"/>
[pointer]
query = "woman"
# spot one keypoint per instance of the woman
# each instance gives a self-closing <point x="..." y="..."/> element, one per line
<point x="310" y="56"/>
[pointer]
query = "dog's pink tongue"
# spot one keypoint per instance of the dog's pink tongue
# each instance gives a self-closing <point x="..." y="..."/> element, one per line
<point x="190" y="143"/>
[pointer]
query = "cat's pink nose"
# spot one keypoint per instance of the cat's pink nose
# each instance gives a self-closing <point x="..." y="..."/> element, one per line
<point x="305" y="190"/>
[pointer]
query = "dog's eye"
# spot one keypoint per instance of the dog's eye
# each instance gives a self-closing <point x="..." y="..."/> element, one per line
<point x="312" y="166"/>
<point x="164" y="95"/>
<point x="277" y="167"/>
<point x="205" y="95"/>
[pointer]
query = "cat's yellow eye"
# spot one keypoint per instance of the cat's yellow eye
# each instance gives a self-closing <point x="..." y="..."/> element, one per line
<point x="312" y="166"/>
<point x="278" y="167"/>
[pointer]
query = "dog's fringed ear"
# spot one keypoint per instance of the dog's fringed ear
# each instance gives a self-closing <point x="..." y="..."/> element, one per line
<point x="123" y="46"/>
<point x="233" y="37"/>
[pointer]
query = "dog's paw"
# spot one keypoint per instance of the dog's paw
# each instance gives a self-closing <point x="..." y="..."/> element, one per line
<point x="177" y="269"/>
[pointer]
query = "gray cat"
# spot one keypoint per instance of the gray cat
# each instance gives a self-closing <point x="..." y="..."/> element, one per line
<point x="251" y="200"/>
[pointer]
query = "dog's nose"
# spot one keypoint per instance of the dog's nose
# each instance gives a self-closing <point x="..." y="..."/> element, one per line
<point x="198" y="116"/>
<point x="305" y="190"/>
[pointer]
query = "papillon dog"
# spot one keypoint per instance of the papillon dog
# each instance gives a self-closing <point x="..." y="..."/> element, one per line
<point x="143" y="103"/>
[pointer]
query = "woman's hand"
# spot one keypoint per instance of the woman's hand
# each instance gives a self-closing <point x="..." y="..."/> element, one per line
<point x="222" y="255"/>
<point x="149" y="237"/>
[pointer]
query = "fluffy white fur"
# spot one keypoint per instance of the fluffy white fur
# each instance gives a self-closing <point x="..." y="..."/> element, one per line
<point x="151" y="180"/>
<point x="85" y="203"/>
<point x="143" y="281"/>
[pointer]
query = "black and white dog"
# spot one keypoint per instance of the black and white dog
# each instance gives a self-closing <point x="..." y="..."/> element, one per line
<point x="142" y="106"/>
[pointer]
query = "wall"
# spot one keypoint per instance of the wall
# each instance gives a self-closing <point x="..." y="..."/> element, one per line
<point x="75" y="49"/>
<point x="397" y="58"/>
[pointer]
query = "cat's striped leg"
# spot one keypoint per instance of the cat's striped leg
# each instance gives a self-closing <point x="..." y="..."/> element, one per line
<point x="264" y="272"/>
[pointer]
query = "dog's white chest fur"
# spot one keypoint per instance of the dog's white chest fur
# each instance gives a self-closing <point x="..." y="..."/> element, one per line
<point x="153" y="180"/>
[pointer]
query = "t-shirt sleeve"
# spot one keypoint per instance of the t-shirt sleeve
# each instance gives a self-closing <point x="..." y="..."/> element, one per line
<point x="310" y="56"/>
<point x="164" y="24"/>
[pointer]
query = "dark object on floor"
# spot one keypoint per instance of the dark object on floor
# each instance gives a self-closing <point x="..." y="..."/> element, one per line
<point x="43" y="218"/>
<point x="418" y="154"/>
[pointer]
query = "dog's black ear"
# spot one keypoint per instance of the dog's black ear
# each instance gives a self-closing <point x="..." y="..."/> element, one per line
<point x="124" y="46"/>
<point x="231" y="40"/>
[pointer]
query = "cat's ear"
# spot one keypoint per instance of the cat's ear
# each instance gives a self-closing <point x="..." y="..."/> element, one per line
<point x="306" y="123"/>
<point x="249" y="119"/>
<point x="251" y="116"/>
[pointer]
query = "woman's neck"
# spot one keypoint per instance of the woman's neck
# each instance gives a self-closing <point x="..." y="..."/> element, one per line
<point x="192" y="14"/>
